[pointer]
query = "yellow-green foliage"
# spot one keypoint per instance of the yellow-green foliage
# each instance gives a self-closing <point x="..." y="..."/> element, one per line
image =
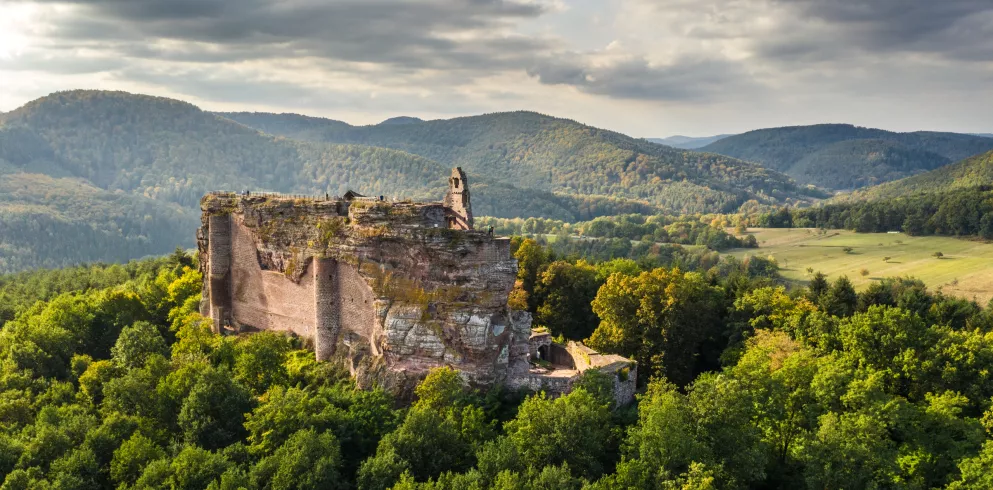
<point x="292" y="263"/>
<point x="330" y="230"/>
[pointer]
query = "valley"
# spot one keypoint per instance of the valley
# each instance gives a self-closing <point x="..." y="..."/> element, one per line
<point x="965" y="270"/>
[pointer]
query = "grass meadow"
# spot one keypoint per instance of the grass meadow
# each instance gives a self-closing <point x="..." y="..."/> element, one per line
<point x="964" y="270"/>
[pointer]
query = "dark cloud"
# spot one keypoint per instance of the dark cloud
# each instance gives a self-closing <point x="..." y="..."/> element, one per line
<point x="636" y="78"/>
<point x="955" y="29"/>
<point x="249" y="51"/>
<point x="415" y="34"/>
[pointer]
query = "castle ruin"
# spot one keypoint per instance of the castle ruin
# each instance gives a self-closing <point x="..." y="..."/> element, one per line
<point x="393" y="289"/>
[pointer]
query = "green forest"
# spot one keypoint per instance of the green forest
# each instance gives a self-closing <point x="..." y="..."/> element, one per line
<point x="110" y="379"/>
<point x="111" y="176"/>
<point x="700" y="230"/>
<point x="970" y="172"/>
<point x="961" y="212"/>
<point x="532" y="150"/>
<point x="842" y="156"/>
<point x="55" y="222"/>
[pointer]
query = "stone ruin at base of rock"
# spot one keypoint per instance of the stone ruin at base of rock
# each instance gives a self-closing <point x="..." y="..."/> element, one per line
<point x="393" y="289"/>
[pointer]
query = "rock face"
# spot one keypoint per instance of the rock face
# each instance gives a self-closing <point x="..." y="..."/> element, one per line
<point x="395" y="288"/>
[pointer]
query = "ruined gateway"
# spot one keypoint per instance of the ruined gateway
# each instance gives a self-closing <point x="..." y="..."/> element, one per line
<point x="392" y="289"/>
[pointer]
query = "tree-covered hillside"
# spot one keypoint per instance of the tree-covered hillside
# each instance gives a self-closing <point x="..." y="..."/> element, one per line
<point x="109" y="378"/>
<point x="299" y="126"/>
<point x="99" y="174"/>
<point x="842" y="156"/>
<point x="54" y="222"/>
<point x="170" y="150"/>
<point x="954" y="200"/>
<point x="970" y="172"/>
<point x="688" y="142"/>
<point x="531" y="150"/>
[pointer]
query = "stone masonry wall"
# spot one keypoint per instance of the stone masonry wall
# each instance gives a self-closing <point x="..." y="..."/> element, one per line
<point x="326" y="307"/>
<point x="267" y="299"/>
<point x="457" y="201"/>
<point x="218" y="270"/>
<point x="367" y="278"/>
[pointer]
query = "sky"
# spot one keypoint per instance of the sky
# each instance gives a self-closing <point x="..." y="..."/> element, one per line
<point x="648" y="68"/>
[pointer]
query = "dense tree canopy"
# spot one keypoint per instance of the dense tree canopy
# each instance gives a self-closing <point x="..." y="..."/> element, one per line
<point x="842" y="156"/>
<point x="110" y="379"/>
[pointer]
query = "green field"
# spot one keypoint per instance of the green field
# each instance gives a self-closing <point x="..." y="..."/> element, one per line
<point x="966" y="270"/>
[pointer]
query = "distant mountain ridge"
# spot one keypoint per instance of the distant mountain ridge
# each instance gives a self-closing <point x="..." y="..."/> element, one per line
<point x="282" y="123"/>
<point x="843" y="156"/>
<point x="402" y="120"/>
<point x="113" y="176"/>
<point x="536" y="151"/>
<point x="132" y="168"/>
<point x="688" y="142"/>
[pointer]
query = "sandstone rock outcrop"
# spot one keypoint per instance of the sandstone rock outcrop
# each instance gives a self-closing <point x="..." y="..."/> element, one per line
<point x="391" y="288"/>
<point x="396" y="287"/>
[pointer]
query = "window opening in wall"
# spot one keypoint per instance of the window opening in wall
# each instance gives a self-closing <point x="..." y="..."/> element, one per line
<point x="456" y="183"/>
<point x="542" y="352"/>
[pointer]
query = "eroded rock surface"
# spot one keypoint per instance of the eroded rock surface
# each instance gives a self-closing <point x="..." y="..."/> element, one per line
<point x="410" y="286"/>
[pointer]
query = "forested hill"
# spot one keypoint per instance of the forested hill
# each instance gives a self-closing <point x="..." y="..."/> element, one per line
<point x="291" y="125"/>
<point x="90" y="175"/>
<point x="536" y="151"/>
<point x="971" y="172"/>
<point x="170" y="150"/>
<point x="688" y="142"/>
<point x="842" y="156"/>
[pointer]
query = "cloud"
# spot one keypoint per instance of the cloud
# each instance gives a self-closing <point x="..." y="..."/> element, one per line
<point x="246" y="89"/>
<point x="635" y="77"/>
<point x="438" y="34"/>
<point x="819" y="30"/>
<point x="740" y="63"/>
<point x="61" y="63"/>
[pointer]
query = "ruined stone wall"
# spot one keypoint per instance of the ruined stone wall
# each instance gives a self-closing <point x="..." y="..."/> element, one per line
<point x="327" y="316"/>
<point x="268" y="299"/>
<point x="370" y="278"/>
<point x="540" y="342"/>
<point x="218" y="270"/>
<point x="392" y="289"/>
<point x="357" y="308"/>
<point x="553" y="387"/>
<point x="457" y="201"/>
<point x="625" y="384"/>
<point x="560" y="356"/>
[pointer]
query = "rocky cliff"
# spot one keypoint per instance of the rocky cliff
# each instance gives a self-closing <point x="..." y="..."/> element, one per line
<point x="391" y="288"/>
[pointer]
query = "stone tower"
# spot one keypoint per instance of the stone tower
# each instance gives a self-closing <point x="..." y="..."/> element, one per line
<point x="458" y="207"/>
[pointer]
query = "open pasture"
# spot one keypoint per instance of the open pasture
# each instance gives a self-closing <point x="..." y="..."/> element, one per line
<point x="965" y="268"/>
